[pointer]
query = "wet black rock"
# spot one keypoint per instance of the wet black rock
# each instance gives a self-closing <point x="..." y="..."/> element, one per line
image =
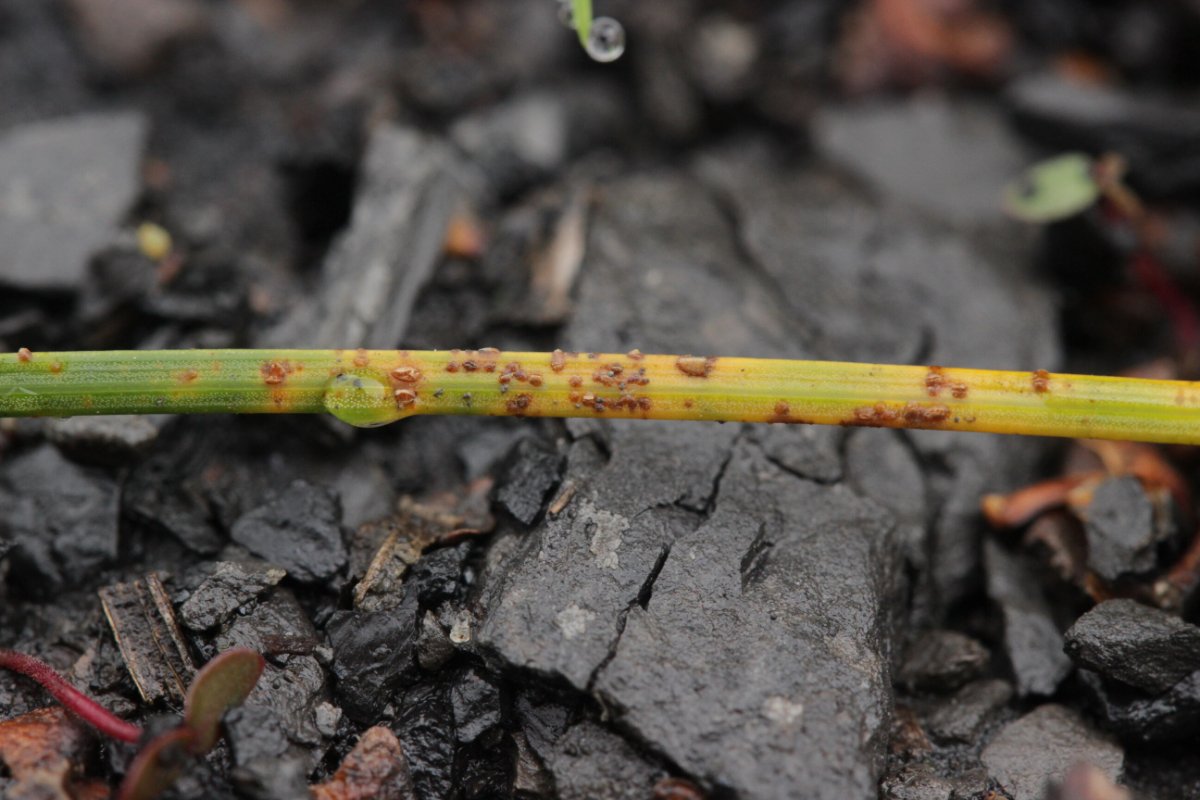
<point x="1140" y="718"/>
<point x="276" y="624"/>
<point x="109" y="441"/>
<point x="409" y="192"/>
<point x="68" y="184"/>
<point x="1032" y="640"/>
<point x="425" y="726"/>
<point x="1136" y="644"/>
<point x="300" y="530"/>
<point x="438" y="575"/>
<point x="231" y="585"/>
<point x="963" y="715"/>
<point x="266" y="764"/>
<point x="61" y="517"/>
<point x="373" y="655"/>
<point x="589" y="762"/>
<point x="949" y="158"/>
<point x="1037" y="749"/>
<point x="1125" y="529"/>
<point x="475" y="700"/>
<point x="942" y="661"/>
<point x="533" y="471"/>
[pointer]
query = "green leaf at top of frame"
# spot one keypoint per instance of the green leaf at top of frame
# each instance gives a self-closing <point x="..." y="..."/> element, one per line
<point x="1053" y="190"/>
<point x="581" y="18"/>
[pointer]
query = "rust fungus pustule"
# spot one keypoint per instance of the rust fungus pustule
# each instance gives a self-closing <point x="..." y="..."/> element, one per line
<point x="56" y="367"/>
<point x="575" y="381"/>
<point x="920" y="414"/>
<point x="1041" y="381"/>
<point x="274" y="373"/>
<point x="361" y="359"/>
<point x="959" y="390"/>
<point x="558" y="360"/>
<point x="188" y="376"/>
<point x="405" y="398"/>
<point x="935" y="381"/>
<point x="452" y="366"/>
<point x="406" y="374"/>
<point x="517" y="406"/>
<point x="635" y="354"/>
<point x="24" y="355"/>
<point x="695" y="366"/>
<point x="783" y="412"/>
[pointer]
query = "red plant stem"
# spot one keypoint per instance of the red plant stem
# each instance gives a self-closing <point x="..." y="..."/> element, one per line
<point x="1182" y="314"/>
<point x="76" y="701"/>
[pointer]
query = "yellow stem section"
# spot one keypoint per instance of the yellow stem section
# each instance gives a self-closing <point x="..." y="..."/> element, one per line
<point x="375" y="387"/>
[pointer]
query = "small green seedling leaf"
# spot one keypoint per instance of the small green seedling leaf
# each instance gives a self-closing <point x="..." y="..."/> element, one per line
<point x="581" y="18"/>
<point x="223" y="683"/>
<point x="1053" y="190"/>
<point x="157" y="766"/>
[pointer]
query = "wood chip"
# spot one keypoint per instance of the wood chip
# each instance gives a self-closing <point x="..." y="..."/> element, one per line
<point x="143" y="623"/>
<point x="375" y="769"/>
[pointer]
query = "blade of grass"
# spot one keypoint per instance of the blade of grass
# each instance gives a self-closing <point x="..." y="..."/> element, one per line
<point x="581" y="16"/>
<point x="369" y="388"/>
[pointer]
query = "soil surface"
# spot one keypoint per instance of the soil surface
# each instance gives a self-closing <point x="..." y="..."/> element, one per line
<point x="602" y="609"/>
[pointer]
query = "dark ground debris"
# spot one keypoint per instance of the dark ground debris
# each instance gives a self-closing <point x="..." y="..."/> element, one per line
<point x="469" y="608"/>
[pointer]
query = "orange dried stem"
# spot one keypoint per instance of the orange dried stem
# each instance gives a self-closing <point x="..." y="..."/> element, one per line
<point x="375" y="387"/>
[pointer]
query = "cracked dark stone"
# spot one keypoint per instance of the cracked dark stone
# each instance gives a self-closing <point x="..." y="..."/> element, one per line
<point x="1032" y="640"/>
<point x="61" y="518"/>
<point x="590" y="763"/>
<point x="373" y="654"/>
<point x="231" y="585"/>
<point x="916" y="782"/>
<point x="1136" y="644"/>
<point x="1125" y="531"/>
<point x="107" y="441"/>
<point x="962" y="716"/>
<point x="534" y="470"/>
<point x="266" y="765"/>
<point x="300" y="530"/>
<point x="1139" y="718"/>
<point x="425" y="726"/>
<point x="1039" y="748"/>
<point x="942" y="661"/>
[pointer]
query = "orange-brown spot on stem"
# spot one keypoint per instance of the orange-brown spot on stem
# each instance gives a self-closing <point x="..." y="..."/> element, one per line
<point x="635" y="354"/>
<point x="558" y="360"/>
<point x="535" y="379"/>
<point x="959" y="390"/>
<point x="695" y="366"/>
<point x="188" y="376"/>
<point x="934" y="381"/>
<point x="274" y="373"/>
<point x="1041" y="381"/>
<point x="24" y="355"/>
<point x="687" y="403"/>
<point x="405" y="398"/>
<point x="919" y="414"/>
<point x="575" y="381"/>
<point x="56" y="367"/>
<point x="518" y="405"/>
<point x="406" y="374"/>
<point x="361" y="359"/>
<point x="452" y="366"/>
<point x="783" y="412"/>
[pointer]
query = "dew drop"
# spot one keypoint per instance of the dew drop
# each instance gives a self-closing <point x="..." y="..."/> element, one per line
<point x="361" y="401"/>
<point x="566" y="15"/>
<point x="606" y="40"/>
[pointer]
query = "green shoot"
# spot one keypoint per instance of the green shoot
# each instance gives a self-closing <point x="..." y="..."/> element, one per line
<point x="371" y="388"/>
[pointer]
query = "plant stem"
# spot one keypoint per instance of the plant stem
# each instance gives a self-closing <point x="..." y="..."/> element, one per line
<point x="75" y="701"/>
<point x="369" y="388"/>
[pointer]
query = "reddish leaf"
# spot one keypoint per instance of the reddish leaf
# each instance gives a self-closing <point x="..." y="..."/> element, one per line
<point x="223" y="683"/>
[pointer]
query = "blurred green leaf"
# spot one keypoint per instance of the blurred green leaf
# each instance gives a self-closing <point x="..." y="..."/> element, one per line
<point x="223" y="683"/>
<point x="581" y="16"/>
<point x="1053" y="190"/>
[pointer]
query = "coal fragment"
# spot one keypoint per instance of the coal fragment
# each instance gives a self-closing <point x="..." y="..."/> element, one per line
<point x="1032" y="640"/>
<point x="532" y="473"/>
<point x="1124" y="529"/>
<point x="1137" y="717"/>
<point x="475" y="698"/>
<point x="425" y="726"/>
<point x="61" y="517"/>
<point x="373" y="655"/>
<point x="1039" y="748"/>
<point x="109" y="441"/>
<point x="300" y="530"/>
<point x="68" y="182"/>
<point x="276" y="625"/>
<point x="963" y="715"/>
<point x="1136" y="644"/>
<point x="942" y="661"/>
<point x="143" y="622"/>
<point x="231" y="585"/>
<point x="438" y="576"/>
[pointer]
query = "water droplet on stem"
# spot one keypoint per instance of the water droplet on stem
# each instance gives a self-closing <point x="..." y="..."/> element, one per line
<point x="361" y="401"/>
<point x="606" y="40"/>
